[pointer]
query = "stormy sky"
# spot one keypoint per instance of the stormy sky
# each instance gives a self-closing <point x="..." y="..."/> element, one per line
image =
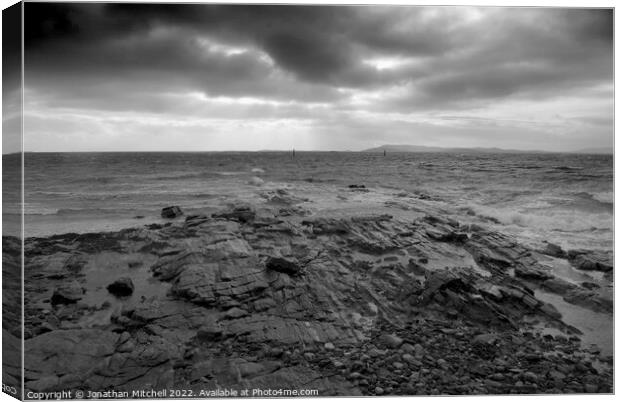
<point x="131" y="77"/>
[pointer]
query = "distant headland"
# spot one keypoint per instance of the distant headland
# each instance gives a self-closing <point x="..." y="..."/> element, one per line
<point x="422" y="148"/>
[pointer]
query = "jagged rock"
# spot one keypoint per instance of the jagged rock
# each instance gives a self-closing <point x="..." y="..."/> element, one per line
<point x="323" y="226"/>
<point x="282" y="265"/>
<point x="550" y="310"/>
<point x="444" y="279"/>
<point x="490" y="290"/>
<point x="438" y="234"/>
<point x="532" y="273"/>
<point x="554" y="250"/>
<point x="67" y="294"/>
<point x="590" y="285"/>
<point x="558" y="285"/>
<point x="530" y="301"/>
<point x="587" y="260"/>
<point x="171" y="212"/>
<point x="438" y="220"/>
<point x="121" y="287"/>
<point x="241" y="214"/>
<point x="196" y="220"/>
<point x="489" y="250"/>
<point x="589" y="299"/>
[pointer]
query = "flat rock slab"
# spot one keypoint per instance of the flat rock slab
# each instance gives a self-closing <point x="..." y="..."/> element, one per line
<point x="265" y="328"/>
<point x="63" y="352"/>
<point x="221" y="282"/>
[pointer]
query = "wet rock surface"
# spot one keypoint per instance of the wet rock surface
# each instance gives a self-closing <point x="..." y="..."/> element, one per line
<point x="368" y="304"/>
<point x="171" y="212"/>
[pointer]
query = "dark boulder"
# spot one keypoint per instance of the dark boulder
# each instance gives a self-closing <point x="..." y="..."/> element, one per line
<point x="282" y="265"/>
<point x="121" y="287"/>
<point x="171" y="212"/>
<point x="67" y="294"/>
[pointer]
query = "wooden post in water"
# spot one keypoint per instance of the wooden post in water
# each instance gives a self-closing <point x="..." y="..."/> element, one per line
<point x="384" y="152"/>
<point x="293" y="152"/>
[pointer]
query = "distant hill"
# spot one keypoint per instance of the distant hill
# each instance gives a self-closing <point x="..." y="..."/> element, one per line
<point x="421" y="148"/>
<point x="601" y="151"/>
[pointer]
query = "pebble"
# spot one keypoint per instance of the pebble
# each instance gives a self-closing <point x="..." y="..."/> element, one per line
<point x="392" y="340"/>
<point x="329" y="346"/>
<point x="379" y="391"/>
<point x="398" y="365"/>
<point x="419" y="350"/>
<point x="556" y="375"/>
<point x="338" y="364"/>
<point x="529" y="376"/>
<point x="407" y="348"/>
<point x="354" y="375"/>
<point x="276" y="352"/>
<point x="497" y="377"/>
<point x="590" y="388"/>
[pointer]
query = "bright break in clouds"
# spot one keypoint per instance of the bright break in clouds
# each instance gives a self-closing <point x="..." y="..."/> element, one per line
<point x="138" y="77"/>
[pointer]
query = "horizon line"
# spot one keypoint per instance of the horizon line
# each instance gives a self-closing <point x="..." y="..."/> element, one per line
<point x="368" y="150"/>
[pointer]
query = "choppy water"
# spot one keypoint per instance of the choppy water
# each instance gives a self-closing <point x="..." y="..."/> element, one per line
<point x="566" y="198"/>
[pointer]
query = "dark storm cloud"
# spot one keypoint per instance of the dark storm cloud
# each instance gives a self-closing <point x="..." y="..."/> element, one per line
<point x="328" y="64"/>
<point x="11" y="49"/>
<point x="515" y="50"/>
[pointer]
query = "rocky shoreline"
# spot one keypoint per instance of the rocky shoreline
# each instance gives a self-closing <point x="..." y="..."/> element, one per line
<point x="276" y="296"/>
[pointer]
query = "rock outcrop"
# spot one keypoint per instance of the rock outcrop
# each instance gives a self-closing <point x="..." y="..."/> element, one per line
<point x="358" y="305"/>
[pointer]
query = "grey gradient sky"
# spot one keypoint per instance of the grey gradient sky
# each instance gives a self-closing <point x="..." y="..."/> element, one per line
<point x="122" y="77"/>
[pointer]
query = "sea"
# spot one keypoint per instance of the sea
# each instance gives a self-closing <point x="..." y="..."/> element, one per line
<point x="566" y="199"/>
